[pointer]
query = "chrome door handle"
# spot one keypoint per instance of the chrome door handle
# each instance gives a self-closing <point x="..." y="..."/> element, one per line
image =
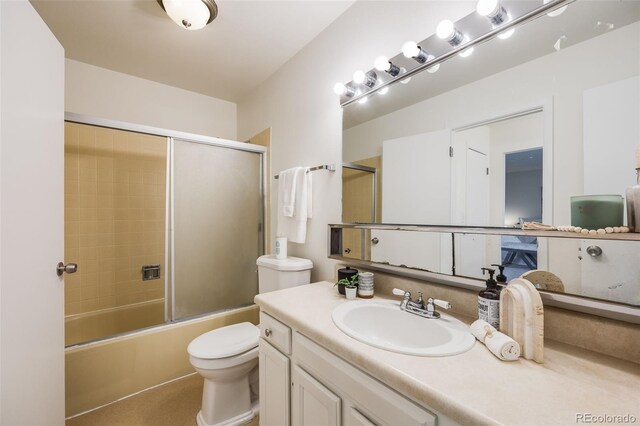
<point x="69" y="268"/>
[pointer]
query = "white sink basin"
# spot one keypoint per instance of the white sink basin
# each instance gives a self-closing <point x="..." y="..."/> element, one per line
<point x="381" y="323"/>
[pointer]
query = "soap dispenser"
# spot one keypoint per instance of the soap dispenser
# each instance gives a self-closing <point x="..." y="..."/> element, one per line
<point x="489" y="300"/>
<point x="501" y="278"/>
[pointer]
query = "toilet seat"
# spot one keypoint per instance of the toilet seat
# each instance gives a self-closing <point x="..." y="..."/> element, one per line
<point x="225" y="347"/>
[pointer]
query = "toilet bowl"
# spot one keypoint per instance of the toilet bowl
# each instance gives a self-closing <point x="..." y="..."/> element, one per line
<point x="226" y="358"/>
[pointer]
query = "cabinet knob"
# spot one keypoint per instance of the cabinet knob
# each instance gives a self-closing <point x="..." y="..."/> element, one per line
<point x="267" y="332"/>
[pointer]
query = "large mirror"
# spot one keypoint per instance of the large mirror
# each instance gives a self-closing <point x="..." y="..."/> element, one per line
<point x="506" y="135"/>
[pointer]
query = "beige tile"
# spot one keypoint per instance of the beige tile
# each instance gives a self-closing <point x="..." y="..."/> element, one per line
<point x="88" y="214"/>
<point x="88" y="201"/>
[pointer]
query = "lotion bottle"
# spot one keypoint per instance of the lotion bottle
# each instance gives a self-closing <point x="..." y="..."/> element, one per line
<point x="489" y="300"/>
<point x="501" y="278"/>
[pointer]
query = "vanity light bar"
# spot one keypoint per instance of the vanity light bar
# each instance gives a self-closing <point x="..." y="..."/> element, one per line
<point x="475" y="33"/>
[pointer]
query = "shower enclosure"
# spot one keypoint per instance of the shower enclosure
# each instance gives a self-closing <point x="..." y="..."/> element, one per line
<point x="164" y="226"/>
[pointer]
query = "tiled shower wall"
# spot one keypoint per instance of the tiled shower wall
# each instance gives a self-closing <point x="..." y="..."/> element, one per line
<point x="115" y="202"/>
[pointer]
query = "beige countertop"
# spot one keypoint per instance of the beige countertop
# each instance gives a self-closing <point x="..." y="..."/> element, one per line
<point x="474" y="387"/>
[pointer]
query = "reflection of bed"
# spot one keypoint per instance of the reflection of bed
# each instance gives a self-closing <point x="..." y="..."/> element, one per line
<point x="511" y="252"/>
<point x="520" y="248"/>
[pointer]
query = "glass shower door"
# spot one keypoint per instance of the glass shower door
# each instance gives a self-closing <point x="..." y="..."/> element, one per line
<point x="217" y="222"/>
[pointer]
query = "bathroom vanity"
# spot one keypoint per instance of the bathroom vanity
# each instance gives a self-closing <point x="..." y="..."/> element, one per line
<point x="312" y="373"/>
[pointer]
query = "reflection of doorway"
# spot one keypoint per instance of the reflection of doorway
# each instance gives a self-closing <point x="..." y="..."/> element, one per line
<point x="359" y="199"/>
<point x="522" y="203"/>
<point x="485" y="193"/>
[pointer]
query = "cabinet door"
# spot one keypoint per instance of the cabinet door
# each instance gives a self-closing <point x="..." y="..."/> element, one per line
<point x="313" y="403"/>
<point x="356" y="418"/>
<point x="274" y="386"/>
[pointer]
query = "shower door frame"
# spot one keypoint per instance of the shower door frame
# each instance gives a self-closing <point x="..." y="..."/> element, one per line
<point x="170" y="136"/>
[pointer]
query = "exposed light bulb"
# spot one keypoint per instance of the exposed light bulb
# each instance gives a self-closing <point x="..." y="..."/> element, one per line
<point x="556" y="12"/>
<point x="486" y="7"/>
<point x="339" y="89"/>
<point x="383" y="91"/>
<point x="382" y="63"/>
<point x="410" y="49"/>
<point x="466" y="52"/>
<point x="358" y="77"/>
<point x="406" y="80"/>
<point x="363" y="100"/>
<point x="445" y="29"/>
<point x="505" y="35"/>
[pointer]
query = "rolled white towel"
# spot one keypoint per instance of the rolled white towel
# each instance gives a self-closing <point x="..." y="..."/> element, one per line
<point x="481" y="328"/>
<point x="501" y="345"/>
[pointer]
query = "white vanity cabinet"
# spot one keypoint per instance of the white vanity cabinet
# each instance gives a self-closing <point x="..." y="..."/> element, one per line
<point x="274" y="371"/>
<point x="303" y="384"/>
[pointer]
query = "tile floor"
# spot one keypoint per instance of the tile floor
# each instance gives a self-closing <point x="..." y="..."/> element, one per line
<point x="173" y="404"/>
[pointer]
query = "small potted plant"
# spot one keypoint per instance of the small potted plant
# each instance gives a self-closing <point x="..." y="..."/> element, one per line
<point x="350" y="286"/>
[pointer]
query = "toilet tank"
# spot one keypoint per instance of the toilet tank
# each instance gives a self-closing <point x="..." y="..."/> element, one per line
<point x="276" y="274"/>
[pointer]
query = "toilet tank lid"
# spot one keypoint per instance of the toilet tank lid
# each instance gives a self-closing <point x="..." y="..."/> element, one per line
<point x="224" y="342"/>
<point x="288" y="264"/>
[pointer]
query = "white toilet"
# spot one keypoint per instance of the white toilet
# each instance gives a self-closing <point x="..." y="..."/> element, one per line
<point x="227" y="357"/>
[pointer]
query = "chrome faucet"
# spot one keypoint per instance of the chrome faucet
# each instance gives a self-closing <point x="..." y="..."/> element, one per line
<point x="419" y="307"/>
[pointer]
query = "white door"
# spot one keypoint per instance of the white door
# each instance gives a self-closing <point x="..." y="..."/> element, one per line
<point x="471" y="197"/>
<point x="312" y="403"/>
<point x="274" y="386"/>
<point x="31" y="221"/>
<point x="611" y="135"/>
<point x="415" y="192"/>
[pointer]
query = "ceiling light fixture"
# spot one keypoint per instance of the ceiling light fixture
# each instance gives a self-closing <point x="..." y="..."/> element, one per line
<point x="190" y="14"/>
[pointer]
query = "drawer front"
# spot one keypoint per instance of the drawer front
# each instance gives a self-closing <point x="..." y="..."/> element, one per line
<point x="276" y="333"/>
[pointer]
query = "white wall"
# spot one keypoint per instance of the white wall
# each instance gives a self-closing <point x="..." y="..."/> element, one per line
<point x="103" y="93"/>
<point x="298" y="102"/>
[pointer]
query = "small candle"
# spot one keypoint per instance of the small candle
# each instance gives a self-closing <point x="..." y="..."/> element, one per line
<point x="638" y="157"/>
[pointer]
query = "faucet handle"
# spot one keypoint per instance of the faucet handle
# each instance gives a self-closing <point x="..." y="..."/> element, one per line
<point x="399" y="292"/>
<point x="442" y="303"/>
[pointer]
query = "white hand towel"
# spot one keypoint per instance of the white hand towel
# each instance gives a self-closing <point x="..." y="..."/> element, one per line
<point x="287" y="191"/>
<point x="295" y="227"/>
<point x="501" y="345"/>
